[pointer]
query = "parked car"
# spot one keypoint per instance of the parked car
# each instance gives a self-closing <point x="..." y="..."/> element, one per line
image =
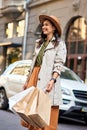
<point x="12" y="80"/>
<point x="74" y="97"/>
<point x="74" y="90"/>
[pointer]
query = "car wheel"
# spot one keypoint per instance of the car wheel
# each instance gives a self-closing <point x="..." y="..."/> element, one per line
<point x="3" y="99"/>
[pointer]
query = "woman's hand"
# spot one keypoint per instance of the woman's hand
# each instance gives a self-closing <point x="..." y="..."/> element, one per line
<point x="49" y="86"/>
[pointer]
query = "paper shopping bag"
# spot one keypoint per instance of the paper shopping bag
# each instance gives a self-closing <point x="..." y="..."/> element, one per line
<point x="40" y="109"/>
<point x="14" y="99"/>
<point x="21" y="106"/>
<point x="34" y="108"/>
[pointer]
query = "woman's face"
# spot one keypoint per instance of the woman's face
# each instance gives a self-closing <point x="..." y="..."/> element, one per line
<point x="48" y="28"/>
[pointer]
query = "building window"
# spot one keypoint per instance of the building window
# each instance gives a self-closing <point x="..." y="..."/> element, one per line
<point x="9" y="30"/>
<point x="13" y="54"/>
<point x="77" y="37"/>
<point x="20" y="28"/>
<point x="15" y="29"/>
<point x="76" y="41"/>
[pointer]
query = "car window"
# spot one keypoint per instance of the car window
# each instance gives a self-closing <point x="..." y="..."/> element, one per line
<point x="21" y="69"/>
<point x="70" y="75"/>
<point x="9" y="68"/>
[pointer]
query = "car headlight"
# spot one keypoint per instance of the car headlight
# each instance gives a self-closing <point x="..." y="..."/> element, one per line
<point x="66" y="91"/>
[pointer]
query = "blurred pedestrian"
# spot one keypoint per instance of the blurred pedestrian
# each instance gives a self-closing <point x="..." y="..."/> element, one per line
<point x="48" y="61"/>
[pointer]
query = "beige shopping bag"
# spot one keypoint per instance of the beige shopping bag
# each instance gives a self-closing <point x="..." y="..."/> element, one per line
<point x="17" y="97"/>
<point x="34" y="108"/>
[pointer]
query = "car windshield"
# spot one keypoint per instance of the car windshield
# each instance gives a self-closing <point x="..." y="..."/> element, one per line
<point x="9" y="68"/>
<point x="21" y="69"/>
<point x="18" y="69"/>
<point x="70" y="75"/>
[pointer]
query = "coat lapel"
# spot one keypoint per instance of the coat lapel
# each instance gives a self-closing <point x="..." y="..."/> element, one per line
<point x="50" y="45"/>
<point x="37" y="50"/>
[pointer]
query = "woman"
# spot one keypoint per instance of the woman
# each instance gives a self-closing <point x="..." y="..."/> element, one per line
<point x="49" y="58"/>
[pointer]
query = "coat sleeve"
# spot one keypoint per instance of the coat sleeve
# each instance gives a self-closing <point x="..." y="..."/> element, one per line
<point x="60" y="58"/>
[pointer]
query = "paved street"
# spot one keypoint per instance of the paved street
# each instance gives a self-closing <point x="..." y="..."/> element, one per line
<point x="9" y="121"/>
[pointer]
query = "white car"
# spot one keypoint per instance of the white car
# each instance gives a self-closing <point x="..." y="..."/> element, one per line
<point x="74" y="90"/>
<point x="12" y="80"/>
<point x="74" y="96"/>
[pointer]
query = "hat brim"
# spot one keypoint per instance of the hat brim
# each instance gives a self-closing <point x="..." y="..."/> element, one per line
<point x="53" y="20"/>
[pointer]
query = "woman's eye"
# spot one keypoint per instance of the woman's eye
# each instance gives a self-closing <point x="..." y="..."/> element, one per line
<point x="44" y="25"/>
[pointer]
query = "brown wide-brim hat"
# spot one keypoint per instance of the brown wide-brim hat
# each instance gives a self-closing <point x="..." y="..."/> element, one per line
<point x="54" y="20"/>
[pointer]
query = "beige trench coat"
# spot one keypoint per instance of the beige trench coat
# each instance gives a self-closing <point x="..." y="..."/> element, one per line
<point x="53" y="60"/>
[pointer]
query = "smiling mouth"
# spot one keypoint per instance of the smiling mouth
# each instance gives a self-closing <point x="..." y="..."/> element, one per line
<point x="44" y="30"/>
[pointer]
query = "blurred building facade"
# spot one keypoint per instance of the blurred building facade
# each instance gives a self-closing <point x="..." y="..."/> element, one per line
<point x="73" y="18"/>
